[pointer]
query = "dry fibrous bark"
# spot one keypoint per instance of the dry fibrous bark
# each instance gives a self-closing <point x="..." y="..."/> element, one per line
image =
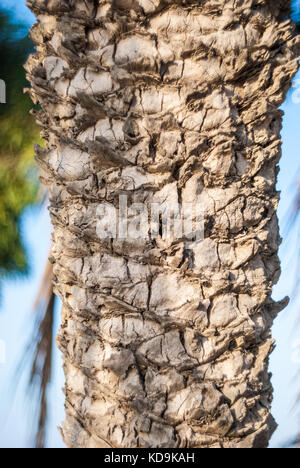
<point x="165" y="343"/>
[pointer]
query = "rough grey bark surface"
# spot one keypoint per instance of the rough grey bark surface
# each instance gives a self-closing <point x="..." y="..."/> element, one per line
<point x="165" y="344"/>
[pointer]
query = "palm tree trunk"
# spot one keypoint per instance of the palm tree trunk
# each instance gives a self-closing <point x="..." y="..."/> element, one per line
<point x="165" y="343"/>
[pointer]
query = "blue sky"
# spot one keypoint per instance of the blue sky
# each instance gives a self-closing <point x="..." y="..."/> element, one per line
<point x="18" y="297"/>
<point x="16" y="320"/>
<point x="286" y="330"/>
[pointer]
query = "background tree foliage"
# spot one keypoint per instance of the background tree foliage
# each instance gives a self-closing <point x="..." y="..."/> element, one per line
<point x="18" y="133"/>
<point x="18" y="189"/>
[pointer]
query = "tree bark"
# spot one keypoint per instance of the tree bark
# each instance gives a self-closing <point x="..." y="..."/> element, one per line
<point x="165" y="343"/>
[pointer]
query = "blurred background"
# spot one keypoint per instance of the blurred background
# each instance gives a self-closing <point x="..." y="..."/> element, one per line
<point x="25" y="232"/>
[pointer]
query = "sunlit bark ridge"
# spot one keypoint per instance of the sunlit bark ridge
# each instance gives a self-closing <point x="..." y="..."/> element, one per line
<point x="165" y="344"/>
